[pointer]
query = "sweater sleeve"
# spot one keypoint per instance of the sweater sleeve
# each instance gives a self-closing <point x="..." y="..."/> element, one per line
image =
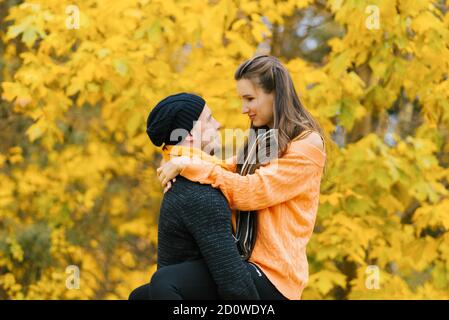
<point x="231" y="163"/>
<point x="280" y="180"/>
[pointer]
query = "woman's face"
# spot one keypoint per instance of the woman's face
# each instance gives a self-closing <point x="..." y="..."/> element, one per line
<point x="256" y="103"/>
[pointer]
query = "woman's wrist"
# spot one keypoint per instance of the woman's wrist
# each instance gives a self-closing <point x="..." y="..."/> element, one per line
<point x="181" y="162"/>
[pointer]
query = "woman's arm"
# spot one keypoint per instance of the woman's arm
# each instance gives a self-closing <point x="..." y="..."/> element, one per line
<point x="169" y="170"/>
<point x="277" y="182"/>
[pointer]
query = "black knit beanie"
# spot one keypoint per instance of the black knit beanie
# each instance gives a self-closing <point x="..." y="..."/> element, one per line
<point x="177" y="111"/>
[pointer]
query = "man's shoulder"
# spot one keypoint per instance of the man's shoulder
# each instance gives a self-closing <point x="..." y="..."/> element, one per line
<point x="187" y="190"/>
<point x="182" y="183"/>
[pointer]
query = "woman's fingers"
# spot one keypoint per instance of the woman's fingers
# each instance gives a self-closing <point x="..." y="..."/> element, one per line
<point x="165" y="174"/>
<point x="165" y="181"/>
<point x="161" y="177"/>
<point x="167" y="187"/>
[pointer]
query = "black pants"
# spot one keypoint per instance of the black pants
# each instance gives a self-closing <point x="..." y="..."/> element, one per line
<point x="191" y="280"/>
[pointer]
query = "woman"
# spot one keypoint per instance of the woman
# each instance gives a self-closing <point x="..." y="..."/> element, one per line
<point x="282" y="195"/>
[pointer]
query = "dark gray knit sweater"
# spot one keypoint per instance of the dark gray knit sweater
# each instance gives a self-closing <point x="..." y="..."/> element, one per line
<point x="195" y="223"/>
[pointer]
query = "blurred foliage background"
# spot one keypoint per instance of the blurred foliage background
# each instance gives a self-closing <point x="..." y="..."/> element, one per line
<point x="77" y="171"/>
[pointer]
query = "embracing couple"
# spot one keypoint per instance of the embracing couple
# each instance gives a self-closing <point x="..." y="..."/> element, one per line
<point x="236" y="228"/>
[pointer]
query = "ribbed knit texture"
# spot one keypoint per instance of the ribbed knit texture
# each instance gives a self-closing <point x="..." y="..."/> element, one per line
<point x="179" y="111"/>
<point x="285" y="194"/>
<point x="194" y="223"/>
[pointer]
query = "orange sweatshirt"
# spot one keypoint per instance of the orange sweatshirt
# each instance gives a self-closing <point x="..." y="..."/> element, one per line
<point x="285" y="193"/>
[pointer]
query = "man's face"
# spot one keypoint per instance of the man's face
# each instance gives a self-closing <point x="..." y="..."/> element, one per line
<point x="205" y="132"/>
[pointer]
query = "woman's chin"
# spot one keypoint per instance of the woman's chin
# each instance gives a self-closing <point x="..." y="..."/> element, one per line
<point x="255" y="123"/>
<point x="258" y="124"/>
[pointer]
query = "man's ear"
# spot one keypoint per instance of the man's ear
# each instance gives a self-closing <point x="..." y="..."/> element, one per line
<point x="189" y="137"/>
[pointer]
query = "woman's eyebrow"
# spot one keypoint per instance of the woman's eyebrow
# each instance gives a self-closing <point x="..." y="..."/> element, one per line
<point x="246" y="95"/>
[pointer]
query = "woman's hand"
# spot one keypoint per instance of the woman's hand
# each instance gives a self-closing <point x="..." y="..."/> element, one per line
<point x="167" y="172"/>
<point x="169" y="184"/>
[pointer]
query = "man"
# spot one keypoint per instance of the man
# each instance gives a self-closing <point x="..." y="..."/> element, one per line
<point x="195" y="220"/>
